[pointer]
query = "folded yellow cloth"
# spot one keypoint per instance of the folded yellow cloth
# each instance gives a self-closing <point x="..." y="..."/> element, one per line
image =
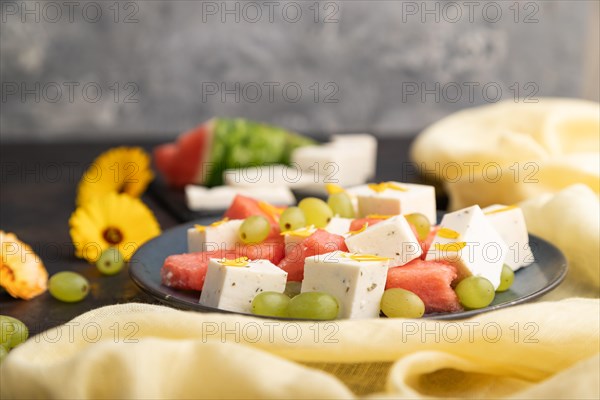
<point x="511" y="151"/>
<point x="570" y="219"/>
<point x="547" y="350"/>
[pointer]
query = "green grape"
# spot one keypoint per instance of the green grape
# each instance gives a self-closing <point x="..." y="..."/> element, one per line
<point x="341" y="204"/>
<point x="313" y="305"/>
<point x="270" y="304"/>
<point x="421" y="224"/>
<point x="316" y="211"/>
<point x="254" y="229"/>
<point x="475" y="292"/>
<point x="506" y="279"/>
<point x="400" y="303"/>
<point x="3" y="353"/>
<point x="12" y="332"/>
<point x="111" y="261"/>
<point x="291" y="219"/>
<point x="68" y="286"/>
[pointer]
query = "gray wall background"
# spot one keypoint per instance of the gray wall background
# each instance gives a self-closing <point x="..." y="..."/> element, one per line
<point x="158" y="63"/>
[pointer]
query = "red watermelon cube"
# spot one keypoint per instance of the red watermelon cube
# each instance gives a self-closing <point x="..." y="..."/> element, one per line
<point x="430" y="280"/>
<point x="187" y="271"/>
<point x="243" y="207"/>
<point x="320" y="242"/>
<point x="358" y="223"/>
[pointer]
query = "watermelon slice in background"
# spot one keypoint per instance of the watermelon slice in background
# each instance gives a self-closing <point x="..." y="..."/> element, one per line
<point x="200" y="156"/>
<point x="320" y="242"/>
<point x="430" y="280"/>
<point x="182" y="162"/>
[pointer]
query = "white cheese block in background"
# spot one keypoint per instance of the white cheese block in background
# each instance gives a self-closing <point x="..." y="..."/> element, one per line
<point x="220" y="197"/>
<point x="329" y="164"/>
<point x="220" y="235"/>
<point x="468" y="240"/>
<point x="392" y="238"/>
<point x="233" y="288"/>
<point x="339" y="226"/>
<point x="413" y="198"/>
<point x="363" y="148"/>
<point x="509" y="222"/>
<point x="347" y="160"/>
<point x="269" y="175"/>
<point x="357" y="285"/>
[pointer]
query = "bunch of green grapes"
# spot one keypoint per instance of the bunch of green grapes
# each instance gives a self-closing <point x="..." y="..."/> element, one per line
<point x="308" y="305"/>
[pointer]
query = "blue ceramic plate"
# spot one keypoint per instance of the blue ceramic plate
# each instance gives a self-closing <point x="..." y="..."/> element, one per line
<point x="548" y="270"/>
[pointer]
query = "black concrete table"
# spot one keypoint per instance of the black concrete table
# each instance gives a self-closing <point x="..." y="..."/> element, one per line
<point x="38" y="184"/>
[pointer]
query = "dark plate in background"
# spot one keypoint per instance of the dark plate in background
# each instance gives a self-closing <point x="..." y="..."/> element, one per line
<point x="393" y="163"/>
<point x="542" y="276"/>
<point x="173" y="200"/>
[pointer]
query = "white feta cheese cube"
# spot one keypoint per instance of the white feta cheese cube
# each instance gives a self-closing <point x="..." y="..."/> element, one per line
<point x="392" y="238"/>
<point x="356" y="281"/>
<point x="468" y="240"/>
<point x="222" y="235"/>
<point x="268" y="176"/>
<point x="232" y="284"/>
<point x="339" y="226"/>
<point x="328" y="163"/>
<point x="392" y="198"/>
<point x="363" y="148"/>
<point x="509" y="222"/>
<point x="221" y="197"/>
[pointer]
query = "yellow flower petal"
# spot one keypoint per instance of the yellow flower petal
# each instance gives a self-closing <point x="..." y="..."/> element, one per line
<point x="119" y="170"/>
<point x="128" y="217"/>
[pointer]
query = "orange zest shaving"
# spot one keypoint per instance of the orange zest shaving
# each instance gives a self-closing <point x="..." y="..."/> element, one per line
<point x="236" y="262"/>
<point x="269" y="209"/>
<point x="365" y="257"/>
<point x="383" y="186"/>
<point x="379" y="216"/>
<point x="454" y="246"/>
<point x="202" y="228"/>
<point x="300" y="232"/>
<point x="332" y="188"/>
<point x="502" y="209"/>
<point x="448" y="233"/>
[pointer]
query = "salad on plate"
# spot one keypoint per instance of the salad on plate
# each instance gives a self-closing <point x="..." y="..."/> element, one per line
<point x="370" y="250"/>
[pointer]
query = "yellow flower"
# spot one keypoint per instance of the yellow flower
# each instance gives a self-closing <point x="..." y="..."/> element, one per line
<point x="118" y="170"/>
<point x="22" y="272"/>
<point x="117" y="220"/>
